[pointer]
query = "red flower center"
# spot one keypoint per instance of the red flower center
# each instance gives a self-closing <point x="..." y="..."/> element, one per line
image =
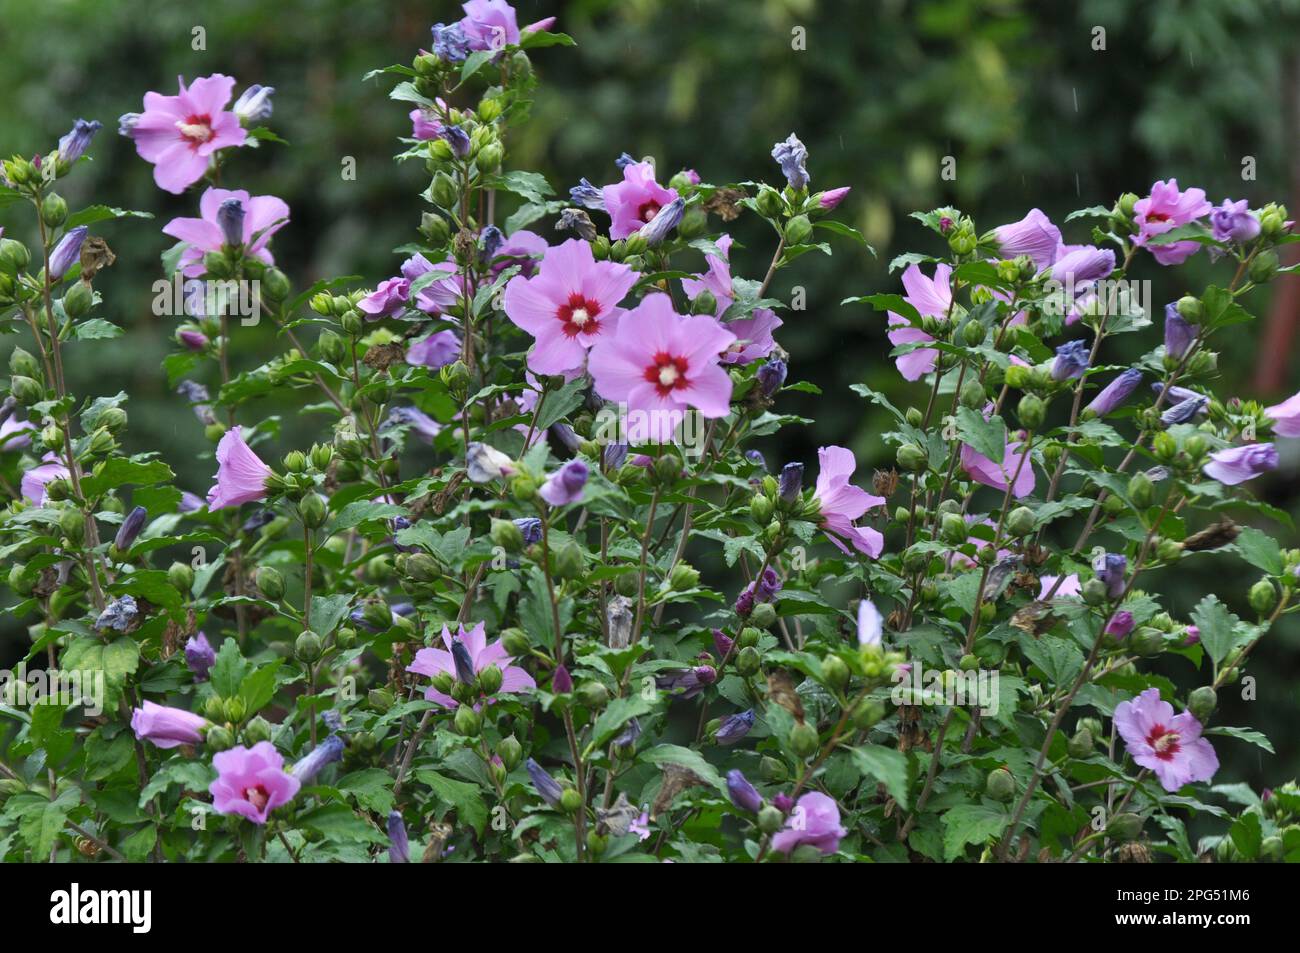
<point x="580" y="315"/>
<point x="1157" y="217"/>
<point x="648" y="211"/>
<point x="196" y="129"/>
<point x="667" y="373"/>
<point x="1164" y="743"/>
<point x="257" y="796"/>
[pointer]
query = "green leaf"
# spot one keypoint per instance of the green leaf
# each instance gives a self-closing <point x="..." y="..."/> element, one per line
<point x="328" y="611"/>
<point x="970" y="824"/>
<point x="117" y="660"/>
<point x="363" y="511"/>
<point x="1260" y="550"/>
<point x="1216" y="624"/>
<point x="461" y="795"/>
<point x="372" y="787"/>
<point x="692" y="760"/>
<point x="229" y="670"/>
<point x="985" y="437"/>
<point x="42" y="821"/>
<point x="540" y="38"/>
<point x="1247" y="835"/>
<point x="97" y="329"/>
<point x="190" y="775"/>
<point x="99" y="213"/>
<point x="886" y="765"/>
<point x="619" y="712"/>
<point x="1249" y="735"/>
<point x="258" y="687"/>
<point x="118" y="471"/>
<point x="339" y="823"/>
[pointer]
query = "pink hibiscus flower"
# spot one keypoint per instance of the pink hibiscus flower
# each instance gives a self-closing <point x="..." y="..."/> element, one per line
<point x="1165" y="209"/>
<point x="251" y="782"/>
<point x="263" y="216"/>
<point x="167" y="727"/>
<point x="931" y="297"/>
<point x="569" y="305"/>
<point x="431" y="661"/>
<point x="815" y="820"/>
<point x="636" y="200"/>
<point x="998" y="475"/>
<point x="842" y="502"/>
<point x="716" y="279"/>
<point x="660" y="364"/>
<point x="1170" y="745"/>
<point x="241" y="474"/>
<point x="753" y="337"/>
<point x="178" y="134"/>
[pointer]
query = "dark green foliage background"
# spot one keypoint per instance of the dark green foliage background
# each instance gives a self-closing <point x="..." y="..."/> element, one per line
<point x="1012" y="89"/>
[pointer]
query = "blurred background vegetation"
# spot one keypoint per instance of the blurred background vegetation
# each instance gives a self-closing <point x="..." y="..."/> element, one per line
<point x="1019" y="92"/>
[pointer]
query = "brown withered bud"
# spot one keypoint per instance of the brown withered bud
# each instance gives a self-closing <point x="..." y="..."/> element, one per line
<point x="439" y="834"/>
<point x="724" y="203"/>
<point x="95" y="254"/>
<point x="780" y="689"/>
<point x="1213" y="536"/>
<point x="1134" y="852"/>
<point x="676" y="780"/>
<point x="577" y="221"/>
<point x="885" y="482"/>
<point x="381" y="357"/>
<point x="465" y="245"/>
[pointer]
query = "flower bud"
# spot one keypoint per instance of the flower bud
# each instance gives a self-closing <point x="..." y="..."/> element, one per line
<point x="269" y="582"/>
<point x="569" y="562"/>
<point x="953" y="529"/>
<point x="1124" y="827"/>
<point x="1093" y="592"/>
<point x="912" y="458"/>
<point x="1190" y="308"/>
<point x="1263" y="267"/>
<point x="804" y="740"/>
<point x="835" y="673"/>
<point x="510" y="751"/>
<point x="1141" y="490"/>
<point x="1202" y="702"/>
<point x="489" y="680"/>
<point x="130" y="529"/>
<point x="1263" y="597"/>
<point x="798" y="230"/>
<point x="760" y="508"/>
<point x="516" y="642"/>
<point x="1000" y="785"/>
<point x="307" y="647"/>
<point x="1032" y="412"/>
<point x="683" y="577"/>
<point x="295" y="461"/>
<point x="72" y="522"/>
<point x="313" y="510"/>
<point x="219" y="738"/>
<point x="258" y="729"/>
<point x="771" y="376"/>
<point x="1147" y="641"/>
<point x="770" y="819"/>
<point x="468" y="722"/>
<point x="570" y="801"/>
<point x="1081" y="744"/>
<point x="763" y="615"/>
<point x="26" y="390"/>
<point x="443" y="191"/>
<point x="743" y="794"/>
<point x="507" y="535"/>
<point x="1021" y="521"/>
<point x="748" y="661"/>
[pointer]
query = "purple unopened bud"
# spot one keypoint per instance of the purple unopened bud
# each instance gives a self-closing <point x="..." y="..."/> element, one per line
<point x="458" y="139"/>
<point x="325" y="753"/>
<point x="491" y="239"/>
<point x="756" y="458"/>
<point x="464" y="663"/>
<point x="566" y="437"/>
<point x="687" y="682"/>
<point x="399" y="848"/>
<point x="1120" y="624"/>
<point x="615" y="455"/>
<point x="771" y="376"/>
<point x="630" y="733"/>
<point x="73" y="144"/>
<point x="723" y="643"/>
<point x="67" y="252"/>
<point x="665" y="220"/>
<point x="254" y="104"/>
<point x="546" y="785"/>
<point x="1178" y="333"/>
<point x="735" y="727"/>
<point x="743" y="794"/>
<point x="531" y="528"/>
<point x="783" y="802"/>
<point x="194" y="340"/>
<point x="1071" y="361"/>
<point x="130" y="529"/>
<point x="1114" y="394"/>
<point x="833" y="197"/>
<point x="561" y="681"/>
<point x="588" y="196"/>
<point x="791" y="482"/>
<point x="199" y="656"/>
<point x="565" y="485"/>
<point x="1184" y="410"/>
<point x="190" y="502"/>
<point x="230" y="216"/>
<point x="1110" y="569"/>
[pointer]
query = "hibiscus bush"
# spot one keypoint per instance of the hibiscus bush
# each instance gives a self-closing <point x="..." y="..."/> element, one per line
<point x="535" y="593"/>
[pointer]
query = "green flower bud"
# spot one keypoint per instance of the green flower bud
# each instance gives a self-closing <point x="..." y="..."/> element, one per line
<point x="14" y="256"/>
<point x="953" y="530"/>
<point x="835" y="673"/>
<point x="1263" y="267"/>
<point x="181" y="576"/>
<point x="1126" y="203"/>
<point x="916" y="559"/>
<point x="1093" y="592"/>
<point x="276" y="284"/>
<point x="593" y="694"/>
<point x="1190" y="308"/>
<point x="489" y="157"/>
<point x="72" y="522"/>
<point x="313" y="510"/>
<point x="914" y="416"/>
<point x="683" y="576"/>
<point x="804" y="740"/>
<point x="1141" y="490"/>
<point x="570" y="801"/>
<point x="468" y="722"/>
<point x="26" y="390"/>
<point x="1021" y="521"/>
<point x="867" y="713"/>
<point x="972" y="394"/>
<point x="258" y="729"/>
<point x="704" y="303"/>
<point x="1147" y="641"/>
<point x="912" y="458"/>
<point x="760" y="508"/>
<point x="798" y="230"/>
<point x="307" y="647"/>
<point x="1016" y="376"/>
<point x="1263" y="597"/>
<point x="568" y="559"/>
<point x="1202" y="702"/>
<point x="22" y="362"/>
<point x="763" y="615"/>
<point x="749" y="636"/>
<point x="507" y="535"/>
<point x="489" y="680"/>
<point x="443" y="191"/>
<point x="1113" y="505"/>
<point x="510" y="751"/>
<point x="219" y="738"/>
<point x="516" y="642"/>
<point x="1124" y="827"/>
<point x="1081" y="744"/>
<point x="668" y="467"/>
<point x="295" y="461"/>
<point x="380" y="699"/>
<point x="269" y="582"/>
<point x="769" y="202"/>
<point x="352" y="322"/>
<point x="748" y="661"/>
<point x="1032" y="412"/>
<point x="54" y="209"/>
<point x="235" y="709"/>
<point x="770" y="819"/>
<point x="214" y="431"/>
<point x="973" y="333"/>
<point x="1000" y="785"/>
